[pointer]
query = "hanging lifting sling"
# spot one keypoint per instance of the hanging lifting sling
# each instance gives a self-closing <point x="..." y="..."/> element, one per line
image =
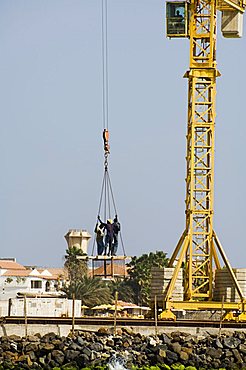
<point x="107" y="208"/>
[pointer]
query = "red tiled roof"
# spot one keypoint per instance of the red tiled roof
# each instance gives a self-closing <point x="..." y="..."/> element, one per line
<point x="57" y="272"/>
<point x="117" y="270"/>
<point x="126" y="304"/>
<point x="11" y="265"/>
<point x="16" y="273"/>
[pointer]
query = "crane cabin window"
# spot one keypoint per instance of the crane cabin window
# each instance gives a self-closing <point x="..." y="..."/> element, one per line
<point x="177" y="19"/>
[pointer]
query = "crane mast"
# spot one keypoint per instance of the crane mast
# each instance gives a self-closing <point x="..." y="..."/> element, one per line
<point x="199" y="250"/>
<point x="200" y="151"/>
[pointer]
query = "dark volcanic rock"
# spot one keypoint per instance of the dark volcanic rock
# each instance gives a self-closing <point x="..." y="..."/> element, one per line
<point x="171" y="356"/>
<point x="31" y="347"/>
<point x="14" y="338"/>
<point x="214" y="353"/>
<point x="176" y="347"/>
<point x="46" y="347"/>
<point x="58" y="356"/>
<point x="75" y="346"/>
<point x="237" y="356"/>
<point x="184" y="356"/>
<point x="231" y="342"/>
<point x="48" y="337"/>
<point x="81" y="341"/>
<point x="33" y="338"/>
<point x="242" y="348"/>
<point x="98" y="347"/>
<point x="218" y="343"/>
<point x="71" y="354"/>
<point x="87" y="349"/>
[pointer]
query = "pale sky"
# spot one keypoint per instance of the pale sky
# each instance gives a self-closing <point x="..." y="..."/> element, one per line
<point x="51" y="151"/>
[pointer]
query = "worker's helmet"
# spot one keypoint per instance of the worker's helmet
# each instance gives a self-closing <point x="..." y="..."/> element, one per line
<point x="109" y="221"/>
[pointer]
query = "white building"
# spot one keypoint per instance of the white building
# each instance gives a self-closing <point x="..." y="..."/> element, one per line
<point x="16" y="278"/>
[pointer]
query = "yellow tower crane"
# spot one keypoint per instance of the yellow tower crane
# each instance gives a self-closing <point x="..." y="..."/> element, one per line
<point x="199" y="251"/>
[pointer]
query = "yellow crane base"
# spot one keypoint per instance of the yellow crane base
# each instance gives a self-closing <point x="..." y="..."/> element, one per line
<point x="234" y="311"/>
<point x="232" y="316"/>
<point x="204" y="305"/>
<point x="242" y="316"/>
<point x="167" y="315"/>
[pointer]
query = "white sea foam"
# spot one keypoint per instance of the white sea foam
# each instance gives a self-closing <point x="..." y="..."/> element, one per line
<point x="117" y="362"/>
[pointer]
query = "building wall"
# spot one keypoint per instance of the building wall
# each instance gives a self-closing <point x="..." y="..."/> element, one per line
<point x="10" y="286"/>
<point x="48" y="307"/>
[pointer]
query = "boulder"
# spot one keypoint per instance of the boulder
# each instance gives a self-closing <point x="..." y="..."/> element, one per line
<point x="48" y="337"/>
<point x="71" y="354"/>
<point x="218" y="343"/>
<point x="103" y="331"/>
<point x="46" y="347"/>
<point x="184" y="356"/>
<point x="242" y="348"/>
<point x="162" y="352"/>
<point x="32" y="355"/>
<point x="231" y="342"/>
<point x="237" y="356"/>
<point x="58" y="356"/>
<point x="214" y="352"/>
<point x="176" y="347"/>
<point x="98" y="347"/>
<point x="75" y="346"/>
<point x="87" y="351"/>
<point x="15" y="338"/>
<point x="31" y="347"/>
<point x="171" y="356"/>
<point x="33" y="338"/>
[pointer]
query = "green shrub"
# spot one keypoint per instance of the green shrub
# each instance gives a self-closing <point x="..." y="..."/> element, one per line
<point x="177" y="366"/>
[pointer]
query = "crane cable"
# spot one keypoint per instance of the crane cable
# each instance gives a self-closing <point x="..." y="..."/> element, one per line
<point x="106" y="190"/>
<point x="105" y="62"/>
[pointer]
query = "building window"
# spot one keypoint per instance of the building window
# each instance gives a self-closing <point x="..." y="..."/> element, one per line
<point x="36" y="284"/>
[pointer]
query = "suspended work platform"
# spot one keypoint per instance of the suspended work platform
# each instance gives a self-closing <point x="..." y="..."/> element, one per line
<point x="107" y="267"/>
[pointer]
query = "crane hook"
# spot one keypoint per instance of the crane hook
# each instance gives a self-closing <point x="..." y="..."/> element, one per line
<point x="106" y="147"/>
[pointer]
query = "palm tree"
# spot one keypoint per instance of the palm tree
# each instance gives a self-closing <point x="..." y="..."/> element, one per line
<point x="76" y="268"/>
<point x="124" y="289"/>
<point x="91" y="291"/>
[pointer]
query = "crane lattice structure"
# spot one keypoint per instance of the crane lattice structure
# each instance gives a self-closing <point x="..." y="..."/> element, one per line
<point x="199" y="249"/>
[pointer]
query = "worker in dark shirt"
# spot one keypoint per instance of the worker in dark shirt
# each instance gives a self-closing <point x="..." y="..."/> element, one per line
<point x="116" y="230"/>
<point x="109" y="236"/>
<point x="100" y="231"/>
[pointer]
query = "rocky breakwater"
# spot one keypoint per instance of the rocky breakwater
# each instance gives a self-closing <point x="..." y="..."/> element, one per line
<point x="85" y="349"/>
